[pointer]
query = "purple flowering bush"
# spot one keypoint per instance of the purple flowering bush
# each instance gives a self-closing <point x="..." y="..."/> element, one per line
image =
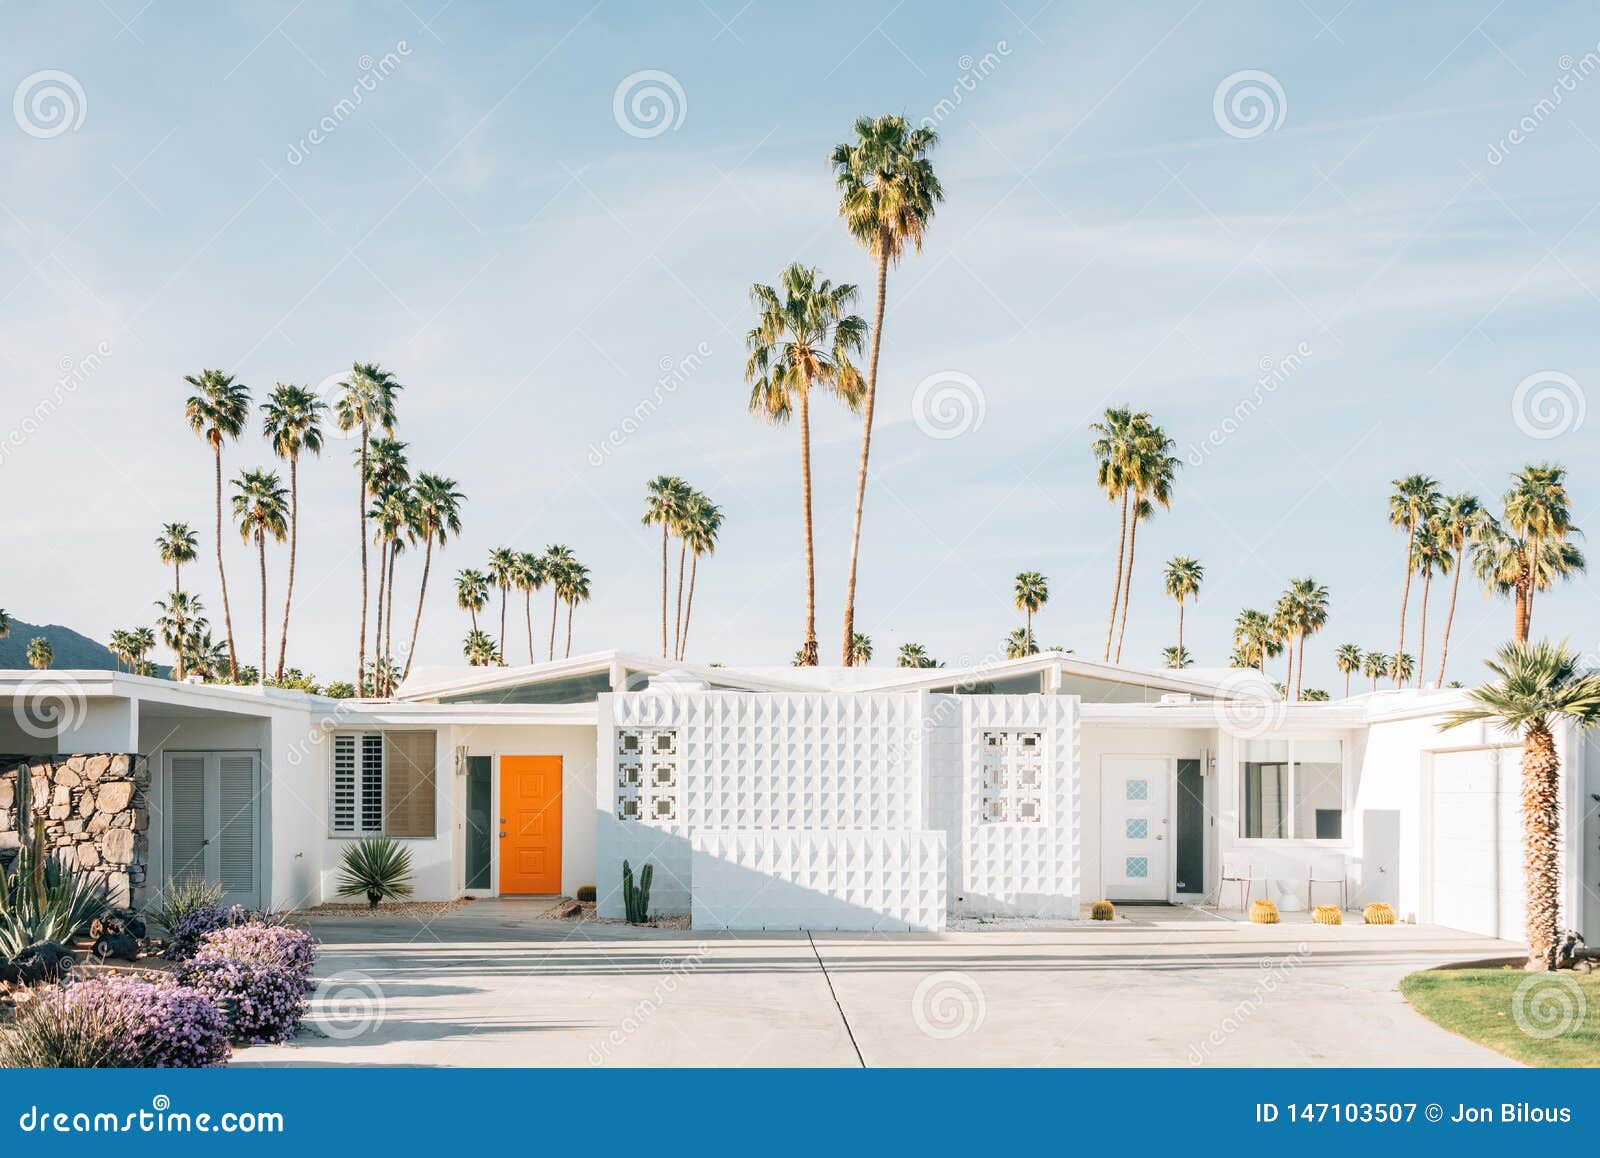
<point x="195" y="924"/>
<point x="261" y="1002"/>
<point x="122" y="1021"/>
<point x="293" y="950"/>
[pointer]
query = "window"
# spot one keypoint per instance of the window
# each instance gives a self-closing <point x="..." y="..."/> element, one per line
<point x="383" y="783"/>
<point x="1011" y="783"/>
<point x="1292" y="790"/>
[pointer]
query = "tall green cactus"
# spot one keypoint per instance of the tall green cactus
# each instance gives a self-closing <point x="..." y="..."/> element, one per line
<point x="636" y="897"/>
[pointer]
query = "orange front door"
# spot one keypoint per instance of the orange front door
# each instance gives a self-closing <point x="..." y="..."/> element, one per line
<point x="530" y="824"/>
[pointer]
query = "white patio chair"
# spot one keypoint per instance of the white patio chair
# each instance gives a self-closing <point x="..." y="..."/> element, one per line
<point x="1328" y="870"/>
<point x="1236" y="873"/>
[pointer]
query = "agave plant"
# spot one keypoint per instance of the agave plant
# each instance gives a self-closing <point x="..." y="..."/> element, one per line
<point x="377" y="867"/>
<point x="46" y="900"/>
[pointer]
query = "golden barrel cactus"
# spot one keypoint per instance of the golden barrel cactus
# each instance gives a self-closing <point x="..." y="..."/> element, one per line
<point x="1327" y="915"/>
<point x="1378" y="913"/>
<point x="1102" y="911"/>
<point x="1263" y="912"/>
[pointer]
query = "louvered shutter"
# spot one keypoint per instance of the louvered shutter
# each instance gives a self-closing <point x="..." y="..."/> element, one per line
<point x="344" y="784"/>
<point x="409" y="783"/>
<point x="237" y="851"/>
<point x="186" y="812"/>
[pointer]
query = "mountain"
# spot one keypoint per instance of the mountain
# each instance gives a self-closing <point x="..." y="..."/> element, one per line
<point x="72" y="650"/>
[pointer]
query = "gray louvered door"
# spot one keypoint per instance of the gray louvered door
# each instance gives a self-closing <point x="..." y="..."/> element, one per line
<point x="213" y="815"/>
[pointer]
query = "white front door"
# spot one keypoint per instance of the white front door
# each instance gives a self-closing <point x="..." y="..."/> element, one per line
<point x="1135" y="835"/>
<point x="212" y="815"/>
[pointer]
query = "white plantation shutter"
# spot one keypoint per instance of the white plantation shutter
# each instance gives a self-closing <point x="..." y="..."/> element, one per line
<point x="360" y="767"/>
<point x="344" y="784"/>
<point x="238" y="839"/>
<point x="372" y="782"/>
<point x="187" y="814"/>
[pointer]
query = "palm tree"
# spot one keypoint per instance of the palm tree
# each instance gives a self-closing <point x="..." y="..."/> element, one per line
<point x="914" y="655"/>
<point x="217" y="411"/>
<point x="1537" y="512"/>
<point x="1176" y="657"/>
<point x="1375" y="665"/>
<point x="1347" y="658"/>
<point x="502" y="568"/>
<point x="177" y="545"/>
<point x="201" y="655"/>
<point x="702" y="525"/>
<point x="120" y="646"/>
<point x="292" y="423"/>
<point x="665" y="497"/>
<point x="1461" y="520"/>
<point x="1305" y="612"/>
<point x="887" y="194"/>
<point x="436" y="515"/>
<point x="180" y="617"/>
<point x="1116" y="449"/>
<point x="1151" y="479"/>
<point x="140" y="641"/>
<point x="261" y="508"/>
<point x="1431" y="552"/>
<point x="572" y="586"/>
<point x="1401" y="667"/>
<point x="40" y="653"/>
<point x="860" y="650"/>
<point x="1030" y="592"/>
<point x="480" y="650"/>
<point x="1415" y="501"/>
<point x="557" y="558"/>
<point x="801" y="341"/>
<point x="1256" y="639"/>
<point x="1314" y="695"/>
<point x="472" y="593"/>
<point x="1018" y="645"/>
<point x="367" y="400"/>
<point x="528" y="576"/>
<point x="1500" y="560"/>
<point x="388" y="482"/>
<point x="1536" y="685"/>
<point x="1183" y="578"/>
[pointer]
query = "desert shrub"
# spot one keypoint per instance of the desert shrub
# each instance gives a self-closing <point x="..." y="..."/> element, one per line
<point x="105" y="1022"/>
<point x="262" y="1003"/>
<point x="182" y="896"/>
<point x="293" y="950"/>
<point x="43" y="899"/>
<point x="194" y="925"/>
<point x="377" y="868"/>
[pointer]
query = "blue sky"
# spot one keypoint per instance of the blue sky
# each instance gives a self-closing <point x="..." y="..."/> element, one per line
<point x="481" y="223"/>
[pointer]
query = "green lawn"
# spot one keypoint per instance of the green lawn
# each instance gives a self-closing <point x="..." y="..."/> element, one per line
<point x="1561" y="1011"/>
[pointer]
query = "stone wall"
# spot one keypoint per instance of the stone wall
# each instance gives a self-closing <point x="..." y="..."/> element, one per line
<point x="95" y="811"/>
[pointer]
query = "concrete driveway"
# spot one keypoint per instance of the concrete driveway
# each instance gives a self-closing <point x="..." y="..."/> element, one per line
<point x="489" y="985"/>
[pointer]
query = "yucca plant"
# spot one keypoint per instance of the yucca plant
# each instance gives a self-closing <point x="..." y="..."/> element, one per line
<point x="182" y="896"/>
<point x="377" y="867"/>
<point x="45" y="900"/>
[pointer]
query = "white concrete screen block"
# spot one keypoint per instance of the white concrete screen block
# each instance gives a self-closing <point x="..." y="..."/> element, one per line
<point x="861" y="881"/>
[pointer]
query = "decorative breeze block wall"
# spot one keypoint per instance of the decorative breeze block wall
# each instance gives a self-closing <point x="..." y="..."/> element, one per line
<point x="867" y="881"/>
<point x="1021" y="845"/>
<point x="94" y="811"/>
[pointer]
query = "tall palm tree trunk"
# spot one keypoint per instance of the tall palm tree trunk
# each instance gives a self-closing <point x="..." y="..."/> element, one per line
<point x="1127" y="586"/>
<point x="663" y="597"/>
<point x="527" y="614"/>
<point x="1116" y="588"/>
<point x="1523" y="616"/>
<point x="571" y="603"/>
<point x="177" y="587"/>
<point x="377" y="625"/>
<point x="867" y="406"/>
<point x="1541" y="823"/>
<point x="1422" y="640"/>
<point x="416" y="623"/>
<point x="688" y="608"/>
<point x="294" y="538"/>
<point x="1405" y="597"/>
<point x="222" y="575"/>
<point x="261" y="550"/>
<point x="808" y="650"/>
<point x="388" y="616"/>
<point x="555" y="601"/>
<point x="361" y="504"/>
<point x="1028" y="640"/>
<point x="1300" y="668"/>
<point x="677" y="627"/>
<point x="1450" y="616"/>
<point x="1179" y="664"/>
<point x="1527" y="583"/>
<point x="1347" y="685"/>
<point x="502" y="624"/>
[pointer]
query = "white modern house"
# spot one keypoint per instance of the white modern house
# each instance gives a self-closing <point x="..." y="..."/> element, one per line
<point x="828" y="798"/>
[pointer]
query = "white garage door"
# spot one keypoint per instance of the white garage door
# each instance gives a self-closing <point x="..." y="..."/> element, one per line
<point x="1477" y="842"/>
